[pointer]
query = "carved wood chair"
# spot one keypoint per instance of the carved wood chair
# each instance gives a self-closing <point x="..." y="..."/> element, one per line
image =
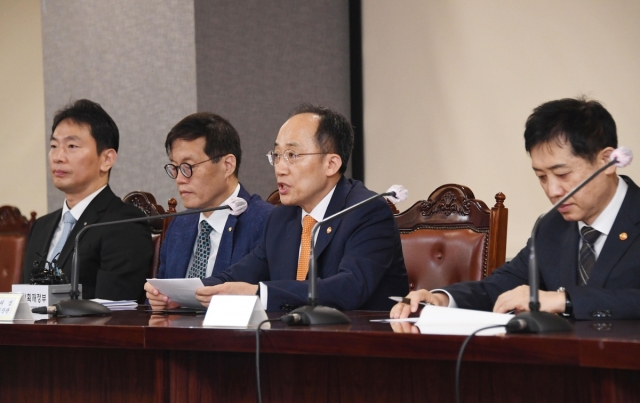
<point x="452" y="237"/>
<point x="146" y="202"/>
<point x="14" y="230"/>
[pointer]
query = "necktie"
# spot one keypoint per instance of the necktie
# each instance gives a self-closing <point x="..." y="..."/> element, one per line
<point x="198" y="268"/>
<point x="68" y="222"/>
<point x="587" y="253"/>
<point x="305" y="248"/>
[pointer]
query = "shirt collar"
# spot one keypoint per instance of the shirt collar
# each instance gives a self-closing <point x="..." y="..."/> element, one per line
<point x="79" y="208"/>
<point x="218" y="218"/>
<point x="604" y="221"/>
<point x="320" y="209"/>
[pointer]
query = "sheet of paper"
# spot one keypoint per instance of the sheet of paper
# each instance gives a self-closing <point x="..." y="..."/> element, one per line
<point x="179" y="290"/>
<point x="124" y="305"/>
<point x="454" y="321"/>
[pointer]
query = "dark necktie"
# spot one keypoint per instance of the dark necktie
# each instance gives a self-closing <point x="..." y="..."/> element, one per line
<point x="198" y="268"/>
<point x="587" y="257"/>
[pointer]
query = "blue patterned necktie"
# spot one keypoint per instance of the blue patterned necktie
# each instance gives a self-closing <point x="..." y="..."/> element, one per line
<point x="68" y="222"/>
<point x="587" y="253"/>
<point x="198" y="267"/>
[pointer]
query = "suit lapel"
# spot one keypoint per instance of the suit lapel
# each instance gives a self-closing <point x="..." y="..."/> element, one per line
<point x="184" y="244"/>
<point x="49" y="229"/>
<point x="337" y="203"/>
<point x="561" y="268"/>
<point x="614" y="248"/>
<point x="225" y="249"/>
<point x="91" y="215"/>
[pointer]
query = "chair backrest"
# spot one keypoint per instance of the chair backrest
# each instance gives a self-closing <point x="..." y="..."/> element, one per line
<point x="452" y="237"/>
<point x="274" y="198"/>
<point x="146" y="202"/>
<point x="14" y="230"/>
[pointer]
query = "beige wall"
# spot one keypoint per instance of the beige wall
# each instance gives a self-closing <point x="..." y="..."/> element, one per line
<point x="448" y="86"/>
<point x="22" y="127"/>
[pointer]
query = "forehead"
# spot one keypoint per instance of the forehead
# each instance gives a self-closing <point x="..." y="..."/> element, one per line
<point x="553" y="154"/>
<point x="70" y="130"/>
<point x="298" y="132"/>
<point x="188" y="149"/>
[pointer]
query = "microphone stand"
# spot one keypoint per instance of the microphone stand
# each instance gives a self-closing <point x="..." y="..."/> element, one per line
<point x="536" y="321"/>
<point x="314" y="314"/>
<point x="85" y="307"/>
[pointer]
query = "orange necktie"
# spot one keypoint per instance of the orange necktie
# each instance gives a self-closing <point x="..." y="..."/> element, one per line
<point x="305" y="247"/>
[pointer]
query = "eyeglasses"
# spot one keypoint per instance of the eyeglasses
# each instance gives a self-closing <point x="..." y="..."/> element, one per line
<point x="289" y="155"/>
<point x="185" y="168"/>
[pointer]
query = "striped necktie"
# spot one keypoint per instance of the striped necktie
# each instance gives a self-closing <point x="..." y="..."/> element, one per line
<point x="587" y="257"/>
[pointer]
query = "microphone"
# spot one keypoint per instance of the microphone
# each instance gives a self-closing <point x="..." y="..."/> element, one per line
<point x="314" y="314"/>
<point x="83" y="307"/>
<point x="545" y="322"/>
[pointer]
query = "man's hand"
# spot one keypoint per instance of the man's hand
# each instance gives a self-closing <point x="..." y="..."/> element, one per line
<point x="404" y="327"/>
<point x="158" y="301"/>
<point x="402" y="310"/>
<point x="518" y="300"/>
<point x="204" y="294"/>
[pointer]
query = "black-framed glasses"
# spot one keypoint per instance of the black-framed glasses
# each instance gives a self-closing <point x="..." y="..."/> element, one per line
<point x="185" y="168"/>
<point x="289" y="155"/>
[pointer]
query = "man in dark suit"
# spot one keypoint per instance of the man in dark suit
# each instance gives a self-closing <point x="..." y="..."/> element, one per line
<point x="589" y="248"/>
<point x="360" y="261"/>
<point x="113" y="260"/>
<point x="205" y="155"/>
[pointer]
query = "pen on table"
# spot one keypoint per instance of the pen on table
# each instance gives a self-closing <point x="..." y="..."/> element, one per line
<point x="407" y="301"/>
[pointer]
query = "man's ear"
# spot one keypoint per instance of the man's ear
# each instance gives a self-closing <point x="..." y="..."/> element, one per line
<point x="108" y="157"/>
<point x="334" y="163"/>
<point x="603" y="159"/>
<point x="229" y="162"/>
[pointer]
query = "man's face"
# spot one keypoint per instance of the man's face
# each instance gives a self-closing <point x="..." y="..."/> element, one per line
<point x="76" y="168"/>
<point x="207" y="185"/>
<point x="306" y="182"/>
<point x="559" y="171"/>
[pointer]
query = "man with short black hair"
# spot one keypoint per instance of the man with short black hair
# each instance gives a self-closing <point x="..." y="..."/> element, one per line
<point x="588" y="249"/>
<point x="113" y="260"/>
<point x="205" y="155"/>
<point x="360" y="262"/>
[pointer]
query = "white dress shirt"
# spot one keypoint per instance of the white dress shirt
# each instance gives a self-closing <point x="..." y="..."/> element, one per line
<point x="76" y="212"/>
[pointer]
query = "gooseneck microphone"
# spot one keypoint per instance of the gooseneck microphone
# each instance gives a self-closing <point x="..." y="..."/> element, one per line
<point x="83" y="307"/>
<point x="545" y="322"/>
<point x="314" y="314"/>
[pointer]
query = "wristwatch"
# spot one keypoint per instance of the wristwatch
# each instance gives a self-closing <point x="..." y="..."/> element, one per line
<point x="568" y="306"/>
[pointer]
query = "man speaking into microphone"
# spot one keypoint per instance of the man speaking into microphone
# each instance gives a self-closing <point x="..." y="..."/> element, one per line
<point x="588" y="249"/>
<point x="359" y="255"/>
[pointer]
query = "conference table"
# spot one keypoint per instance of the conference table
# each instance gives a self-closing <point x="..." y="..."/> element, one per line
<point x="134" y="356"/>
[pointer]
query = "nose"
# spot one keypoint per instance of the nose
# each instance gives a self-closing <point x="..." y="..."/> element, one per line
<point x="56" y="154"/>
<point x="554" y="189"/>
<point x="282" y="168"/>
<point x="181" y="179"/>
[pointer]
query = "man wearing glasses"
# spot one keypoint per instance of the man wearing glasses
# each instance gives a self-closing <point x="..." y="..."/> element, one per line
<point x="113" y="260"/>
<point x="204" y="150"/>
<point x="359" y="255"/>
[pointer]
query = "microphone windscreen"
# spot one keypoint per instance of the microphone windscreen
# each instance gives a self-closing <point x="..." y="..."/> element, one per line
<point x="238" y="205"/>
<point x="622" y="155"/>
<point x="401" y="193"/>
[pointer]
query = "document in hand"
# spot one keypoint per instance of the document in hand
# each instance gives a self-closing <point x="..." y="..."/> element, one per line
<point x="454" y="321"/>
<point x="180" y="290"/>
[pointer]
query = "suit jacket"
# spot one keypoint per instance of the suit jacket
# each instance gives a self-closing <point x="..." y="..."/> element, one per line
<point x="360" y="262"/>
<point x="113" y="260"/>
<point x="613" y="289"/>
<point x="242" y="235"/>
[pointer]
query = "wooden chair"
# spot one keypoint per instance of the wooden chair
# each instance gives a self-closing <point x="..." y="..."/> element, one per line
<point x="14" y="230"/>
<point x="452" y="237"/>
<point x="146" y="202"/>
<point x="274" y="198"/>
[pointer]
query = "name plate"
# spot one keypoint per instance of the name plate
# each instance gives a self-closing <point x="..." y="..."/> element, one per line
<point x="44" y="295"/>
<point x="14" y="308"/>
<point x="238" y="311"/>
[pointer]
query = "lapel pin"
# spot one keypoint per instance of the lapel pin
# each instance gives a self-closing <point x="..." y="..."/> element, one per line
<point x="623" y="236"/>
<point x="85" y="223"/>
<point x="328" y="230"/>
<point x="230" y="228"/>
